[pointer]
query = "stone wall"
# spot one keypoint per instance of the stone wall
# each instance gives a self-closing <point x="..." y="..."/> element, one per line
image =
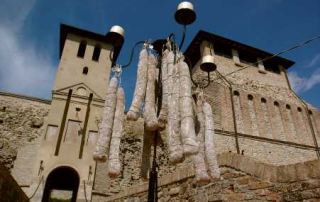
<point x="21" y="121"/>
<point x="9" y="189"/>
<point x="243" y="179"/>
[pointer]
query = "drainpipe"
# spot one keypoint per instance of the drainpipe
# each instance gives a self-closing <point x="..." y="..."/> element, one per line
<point x="233" y="112"/>
<point x="306" y="108"/>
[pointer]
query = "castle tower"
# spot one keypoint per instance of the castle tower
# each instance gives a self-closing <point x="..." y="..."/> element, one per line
<point x="64" y="165"/>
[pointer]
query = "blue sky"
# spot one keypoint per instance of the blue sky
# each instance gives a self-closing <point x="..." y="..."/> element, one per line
<point x="29" y="34"/>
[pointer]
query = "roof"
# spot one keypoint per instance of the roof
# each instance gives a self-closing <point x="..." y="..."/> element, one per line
<point x="193" y="51"/>
<point x="66" y="29"/>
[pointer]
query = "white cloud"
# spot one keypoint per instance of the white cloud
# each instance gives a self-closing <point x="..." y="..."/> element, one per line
<point x="23" y="69"/>
<point x="302" y="84"/>
<point x="315" y="60"/>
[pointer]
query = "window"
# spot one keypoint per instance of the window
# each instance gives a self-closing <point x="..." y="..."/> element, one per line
<point x="247" y="58"/>
<point x="271" y="67"/>
<point x="263" y="100"/>
<point x="85" y="70"/>
<point x="222" y="50"/>
<point x="96" y="53"/>
<point x="250" y="97"/>
<point x="82" y="49"/>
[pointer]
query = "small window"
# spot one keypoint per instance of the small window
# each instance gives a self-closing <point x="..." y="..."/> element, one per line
<point x="248" y="59"/>
<point x="222" y="50"/>
<point x="271" y="66"/>
<point x="250" y="97"/>
<point x="276" y="103"/>
<point x="263" y="100"/>
<point x="85" y="70"/>
<point x="236" y="93"/>
<point x="299" y="109"/>
<point x="288" y="106"/>
<point x="82" y="49"/>
<point x="310" y="112"/>
<point x="96" y="53"/>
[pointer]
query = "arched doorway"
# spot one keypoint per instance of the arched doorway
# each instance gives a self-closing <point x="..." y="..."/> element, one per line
<point x="63" y="179"/>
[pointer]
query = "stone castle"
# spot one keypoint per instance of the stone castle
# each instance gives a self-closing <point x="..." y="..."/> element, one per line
<point x="266" y="137"/>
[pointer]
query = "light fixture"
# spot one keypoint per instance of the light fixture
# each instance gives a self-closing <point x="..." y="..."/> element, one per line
<point x="207" y="63"/>
<point x="185" y="14"/>
<point x="116" y="35"/>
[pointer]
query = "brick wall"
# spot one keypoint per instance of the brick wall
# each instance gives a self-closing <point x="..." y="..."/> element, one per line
<point x="243" y="179"/>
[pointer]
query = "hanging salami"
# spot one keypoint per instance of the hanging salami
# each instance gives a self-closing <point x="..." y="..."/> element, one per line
<point x="114" y="164"/>
<point x="105" y="130"/>
<point x="210" y="154"/>
<point x="162" y="120"/>
<point x="173" y="129"/>
<point x="188" y="135"/>
<point x="201" y="173"/>
<point x="151" y="121"/>
<point x="141" y="85"/>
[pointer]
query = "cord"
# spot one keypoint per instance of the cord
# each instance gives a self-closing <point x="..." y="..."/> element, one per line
<point x="132" y="52"/>
<point x="35" y="191"/>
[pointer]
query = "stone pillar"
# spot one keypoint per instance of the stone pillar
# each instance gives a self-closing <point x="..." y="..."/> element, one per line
<point x="261" y="67"/>
<point x="235" y="57"/>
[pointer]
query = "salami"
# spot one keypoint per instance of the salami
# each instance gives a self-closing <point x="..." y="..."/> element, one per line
<point x="210" y="153"/>
<point x="114" y="164"/>
<point x="146" y="153"/>
<point x="188" y="135"/>
<point x="141" y="85"/>
<point x="162" y="120"/>
<point x="201" y="173"/>
<point x="173" y="129"/>
<point x="151" y="121"/>
<point x="105" y="129"/>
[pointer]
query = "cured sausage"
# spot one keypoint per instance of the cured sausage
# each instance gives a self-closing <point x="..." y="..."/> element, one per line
<point x="150" y="117"/>
<point x="210" y="153"/>
<point x="114" y="164"/>
<point x="141" y="85"/>
<point x="173" y="130"/>
<point x="188" y="135"/>
<point x="201" y="173"/>
<point x="105" y="129"/>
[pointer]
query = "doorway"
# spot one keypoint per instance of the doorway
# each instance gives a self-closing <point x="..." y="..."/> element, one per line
<point x="61" y="185"/>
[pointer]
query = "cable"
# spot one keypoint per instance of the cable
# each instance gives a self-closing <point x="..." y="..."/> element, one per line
<point x="272" y="56"/>
<point x="36" y="188"/>
<point x="132" y="52"/>
<point x="183" y="36"/>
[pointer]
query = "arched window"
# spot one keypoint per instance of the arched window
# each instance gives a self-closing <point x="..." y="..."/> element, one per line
<point x="299" y="109"/>
<point x="82" y="49"/>
<point x="96" y="53"/>
<point x="288" y="106"/>
<point x="276" y="103"/>
<point x="85" y="70"/>
<point x="250" y="97"/>
<point x="263" y="100"/>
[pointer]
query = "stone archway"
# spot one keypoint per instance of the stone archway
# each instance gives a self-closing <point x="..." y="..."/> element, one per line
<point x="63" y="178"/>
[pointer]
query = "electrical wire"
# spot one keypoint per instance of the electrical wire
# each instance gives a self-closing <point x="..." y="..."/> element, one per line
<point x="35" y="191"/>
<point x="132" y="52"/>
<point x="272" y="56"/>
